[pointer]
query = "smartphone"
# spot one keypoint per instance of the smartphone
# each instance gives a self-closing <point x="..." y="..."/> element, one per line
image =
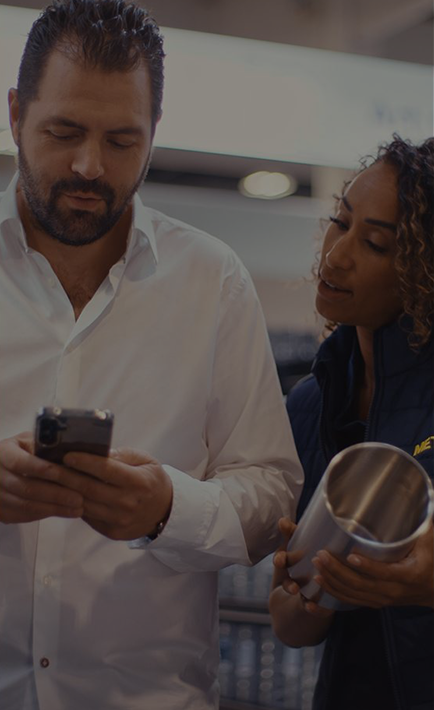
<point x="58" y="431"/>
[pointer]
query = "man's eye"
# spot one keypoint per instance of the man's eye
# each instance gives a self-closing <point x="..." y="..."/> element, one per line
<point x="338" y="222"/>
<point x="63" y="137"/>
<point x="115" y="144"/>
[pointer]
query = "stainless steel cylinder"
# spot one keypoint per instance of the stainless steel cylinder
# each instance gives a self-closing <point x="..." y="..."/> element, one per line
<point x="374" y="499"/>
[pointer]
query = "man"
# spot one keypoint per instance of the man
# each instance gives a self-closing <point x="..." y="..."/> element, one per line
<point x="108" y="581"/>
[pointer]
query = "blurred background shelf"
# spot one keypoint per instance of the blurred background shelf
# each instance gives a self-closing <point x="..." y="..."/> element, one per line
<point x="257" y="671"/>
<point x="234" y="705"/>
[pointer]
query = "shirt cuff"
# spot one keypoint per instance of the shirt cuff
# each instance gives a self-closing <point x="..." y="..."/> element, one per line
<point x="193" y="504"/>
<point x="203" y="532"/>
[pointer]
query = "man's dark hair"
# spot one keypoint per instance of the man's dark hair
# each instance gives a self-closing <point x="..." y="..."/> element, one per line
<point x="112" y="35"/>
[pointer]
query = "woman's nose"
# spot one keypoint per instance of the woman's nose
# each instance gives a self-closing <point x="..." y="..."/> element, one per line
<point x="339" y="255"/>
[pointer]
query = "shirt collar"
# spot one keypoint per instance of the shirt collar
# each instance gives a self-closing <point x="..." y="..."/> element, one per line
<point x="9" y="211"/>
<point x="141" y="230"/>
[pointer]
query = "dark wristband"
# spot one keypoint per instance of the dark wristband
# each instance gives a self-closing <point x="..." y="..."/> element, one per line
<point x="157" y="530"/>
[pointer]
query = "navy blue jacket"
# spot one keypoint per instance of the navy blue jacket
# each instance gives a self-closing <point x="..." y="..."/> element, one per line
<point x="402" y="414"/>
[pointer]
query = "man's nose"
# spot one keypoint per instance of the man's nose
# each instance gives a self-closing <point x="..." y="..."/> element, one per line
<point x="87" y="162"/>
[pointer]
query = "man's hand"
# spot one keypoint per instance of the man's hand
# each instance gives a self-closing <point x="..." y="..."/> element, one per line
<point x="27" y="490"/>
<point x="125" y="495"/>
<point x="375" y="584"/>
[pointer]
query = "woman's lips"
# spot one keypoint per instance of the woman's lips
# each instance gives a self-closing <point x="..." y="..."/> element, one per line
<point x="331" y="292"/>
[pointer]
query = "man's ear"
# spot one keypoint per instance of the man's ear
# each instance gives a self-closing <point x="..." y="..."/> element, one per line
<point x="155" y="126"/>
<point x="14" y="113"/>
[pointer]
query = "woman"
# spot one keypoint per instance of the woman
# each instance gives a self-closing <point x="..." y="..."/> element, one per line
<point x="372" y="380"/>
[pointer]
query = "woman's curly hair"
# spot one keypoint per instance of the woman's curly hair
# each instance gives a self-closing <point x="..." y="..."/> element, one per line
<point x="414" y="261"/>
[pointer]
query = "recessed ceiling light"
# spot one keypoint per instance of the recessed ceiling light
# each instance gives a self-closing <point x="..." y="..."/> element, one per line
<point x="266" y="185"/>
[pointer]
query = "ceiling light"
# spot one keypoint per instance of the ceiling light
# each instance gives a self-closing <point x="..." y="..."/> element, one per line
<point x="265" y="185"/>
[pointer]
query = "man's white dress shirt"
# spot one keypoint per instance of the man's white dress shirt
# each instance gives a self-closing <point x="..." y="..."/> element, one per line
<point x="174" y="343"/>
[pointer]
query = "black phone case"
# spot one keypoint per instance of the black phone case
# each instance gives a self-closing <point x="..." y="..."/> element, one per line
<point x="58" y="431"/>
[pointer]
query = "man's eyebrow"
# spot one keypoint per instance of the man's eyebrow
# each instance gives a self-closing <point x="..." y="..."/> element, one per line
<point x="68" y="123"/>
<point x="371" y="220"/>
<point x="62" y="121"/>
<point x="126" y="131"/>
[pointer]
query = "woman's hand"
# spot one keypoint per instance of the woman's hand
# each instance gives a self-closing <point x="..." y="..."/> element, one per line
<point x="366" y="582"/>
<point x="283" y="561"/>
<point x="297" y="621"/>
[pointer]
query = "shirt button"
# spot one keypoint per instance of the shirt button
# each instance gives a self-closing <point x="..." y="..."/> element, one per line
<point x="52" y="283"/>
<point x="47" y="581"/>
<point x="44" y="662"/>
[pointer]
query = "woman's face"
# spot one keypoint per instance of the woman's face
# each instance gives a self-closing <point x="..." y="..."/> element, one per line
<point x="358" y="283"/>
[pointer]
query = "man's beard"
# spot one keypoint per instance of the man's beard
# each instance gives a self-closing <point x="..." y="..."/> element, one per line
<point x="74" y="227"/>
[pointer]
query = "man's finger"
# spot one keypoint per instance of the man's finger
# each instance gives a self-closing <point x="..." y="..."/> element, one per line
<point x="131" y="456"/>
<point x="16" y="510"/>
<point x="101" y="513"/>
<point x="39" y="490"/>
<point x="26" y="441"/>
<point x="112" y="470"/>
<point x="20" y="461"/>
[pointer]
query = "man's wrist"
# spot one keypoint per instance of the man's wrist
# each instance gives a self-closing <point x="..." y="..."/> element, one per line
<point x="166" y="487"/>
<point x="158" y="529"/>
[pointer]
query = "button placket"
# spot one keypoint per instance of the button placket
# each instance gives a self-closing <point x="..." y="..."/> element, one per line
<point x="68" y="378"/>
<point x="47" y="601"/>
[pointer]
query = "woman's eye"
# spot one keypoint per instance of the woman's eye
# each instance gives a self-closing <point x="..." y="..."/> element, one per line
<point x="376" y="247"/>
<point x="338" y="222"/>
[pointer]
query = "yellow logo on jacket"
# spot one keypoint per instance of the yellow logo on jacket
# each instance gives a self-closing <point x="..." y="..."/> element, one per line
<point x="423" y="446"/>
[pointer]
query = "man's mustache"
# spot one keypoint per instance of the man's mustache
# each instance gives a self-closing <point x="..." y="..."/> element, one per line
<point x="96" y="187"/>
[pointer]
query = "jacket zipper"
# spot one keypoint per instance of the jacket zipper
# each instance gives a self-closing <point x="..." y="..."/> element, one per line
<point x="383" y="613"/>
<point x="387" y="634"/>
<point x="323" y="391"/>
